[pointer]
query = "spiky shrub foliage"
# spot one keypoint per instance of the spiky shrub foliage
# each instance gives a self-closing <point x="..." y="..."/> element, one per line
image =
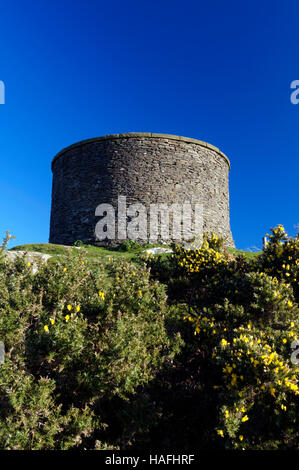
<point x="73" y="338"/>
<point x="280" y="258"/>
<point x="245" y="323"/>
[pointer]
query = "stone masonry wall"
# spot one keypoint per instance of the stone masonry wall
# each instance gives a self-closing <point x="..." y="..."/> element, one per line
<point x="146" y="168"/>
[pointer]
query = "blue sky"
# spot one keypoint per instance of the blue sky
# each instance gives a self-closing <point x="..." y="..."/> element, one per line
<point x="218" y="71"/>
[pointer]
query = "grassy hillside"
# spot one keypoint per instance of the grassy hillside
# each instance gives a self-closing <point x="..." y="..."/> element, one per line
<point x="93" y="253"/>
<point x="101" y="255"/>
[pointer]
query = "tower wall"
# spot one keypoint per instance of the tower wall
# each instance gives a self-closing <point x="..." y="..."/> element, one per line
<point x="146" y="168"/>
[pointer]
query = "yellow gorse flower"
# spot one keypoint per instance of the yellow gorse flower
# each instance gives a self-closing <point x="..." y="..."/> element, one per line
<point x="67" y="317"/>
<point x="46" y="328"/>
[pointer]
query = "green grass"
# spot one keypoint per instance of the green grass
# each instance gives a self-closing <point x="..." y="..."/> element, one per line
<point x="93" y="253"/>
<point x="100" y="255"/>
<point x="47" y="248"/>
<point x="248" y="254"/>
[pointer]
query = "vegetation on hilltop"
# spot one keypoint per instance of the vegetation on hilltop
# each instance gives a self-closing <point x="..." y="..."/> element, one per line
<point x="119" y="350"/>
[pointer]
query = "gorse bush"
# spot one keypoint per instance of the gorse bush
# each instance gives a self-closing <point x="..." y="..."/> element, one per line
<point x="196" y="350"/>
<point x="280" y="258"/>
<point x="250" y="353"/>
<point x="74" y="338"/>
<point x="244" y="318"/>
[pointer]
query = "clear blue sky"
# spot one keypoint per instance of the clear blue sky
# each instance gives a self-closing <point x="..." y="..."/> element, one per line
<point x="218" y="71"/>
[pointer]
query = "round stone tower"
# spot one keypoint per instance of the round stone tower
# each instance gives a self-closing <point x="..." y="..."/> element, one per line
<point x="143" y="168"/>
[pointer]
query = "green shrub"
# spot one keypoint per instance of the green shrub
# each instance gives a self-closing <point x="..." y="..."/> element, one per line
<point x="280" y="258"/>
<point x="99" y="357"/>
<point x="244" y="323"/>
<point x="75" y="338"/>
<point x="32" y="418"/>
<point x="129" y="245"/>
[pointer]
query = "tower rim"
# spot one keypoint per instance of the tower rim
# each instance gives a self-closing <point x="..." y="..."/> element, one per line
<point x="141" y="135"/>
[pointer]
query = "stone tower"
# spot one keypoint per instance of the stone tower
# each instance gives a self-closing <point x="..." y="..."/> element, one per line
<point x="147" y="169"/>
